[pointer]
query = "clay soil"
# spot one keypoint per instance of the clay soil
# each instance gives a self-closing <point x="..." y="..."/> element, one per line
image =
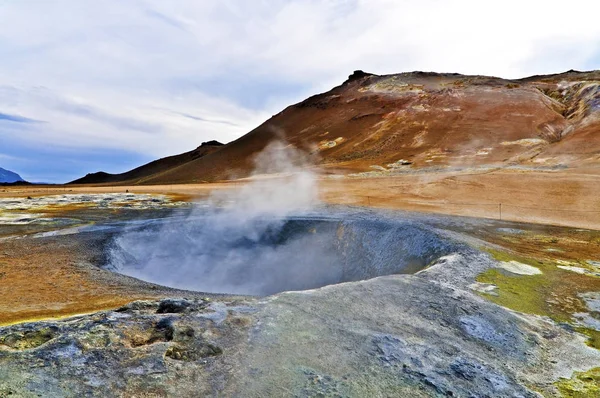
<point x="56" y="277"/>
<point x="45" y="279"/>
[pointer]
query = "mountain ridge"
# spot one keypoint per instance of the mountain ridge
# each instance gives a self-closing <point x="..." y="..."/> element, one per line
<point x="138" y="174"/>
<point x="419" y="121"/>
<point x="7" y="176"/>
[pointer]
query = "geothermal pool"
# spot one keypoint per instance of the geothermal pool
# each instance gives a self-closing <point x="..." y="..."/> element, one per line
<point x="235" y="246"/>
<point x="220" y="252"/>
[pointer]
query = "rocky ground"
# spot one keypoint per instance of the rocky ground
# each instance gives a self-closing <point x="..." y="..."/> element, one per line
<point x="513" y="312"/>
<point x="474" y="324"/>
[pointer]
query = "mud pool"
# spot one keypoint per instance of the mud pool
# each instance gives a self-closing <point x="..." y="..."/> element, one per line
<point x="211" y="252"/>
<point x="207" y="248"/>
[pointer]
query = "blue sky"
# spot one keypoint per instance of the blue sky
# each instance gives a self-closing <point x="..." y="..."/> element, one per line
<point x="107" y="85"/>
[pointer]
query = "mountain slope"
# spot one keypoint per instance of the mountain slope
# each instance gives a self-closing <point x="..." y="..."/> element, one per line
<point x="418" y="120"/>
<point x="7" y="176"/>
<point x="137" y="175"/>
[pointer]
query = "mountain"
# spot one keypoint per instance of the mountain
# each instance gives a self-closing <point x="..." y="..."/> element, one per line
<point x="7" y="176"/>
<point x="155" y="168"/>
<point x="420" y="121"/>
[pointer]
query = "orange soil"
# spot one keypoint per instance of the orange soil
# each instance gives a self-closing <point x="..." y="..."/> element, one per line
<point x="43" y="281"/>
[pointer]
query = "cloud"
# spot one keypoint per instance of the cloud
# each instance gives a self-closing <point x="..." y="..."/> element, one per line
<point x="128" y="75"/>
<point x="202" y="119"/>
<point x="166" y="19"/>
<point x="17" y="118"/>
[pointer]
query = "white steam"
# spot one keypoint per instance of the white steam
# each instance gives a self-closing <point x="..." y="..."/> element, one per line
<point x="283" y="182"/>
<point x="266" y="237"/>
<point x="233" y="245"/>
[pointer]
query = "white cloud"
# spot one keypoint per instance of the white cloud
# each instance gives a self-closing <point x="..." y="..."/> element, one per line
<point x="129" y="74"/>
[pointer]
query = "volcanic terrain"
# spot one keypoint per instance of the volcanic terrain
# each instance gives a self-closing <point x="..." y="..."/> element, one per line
<point x="413" y="121"/>
<point x="319" y="285"/>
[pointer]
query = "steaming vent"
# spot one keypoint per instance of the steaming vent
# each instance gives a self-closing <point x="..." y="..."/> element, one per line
<point x="271" y="255"/>
<point x="258" y="240"/>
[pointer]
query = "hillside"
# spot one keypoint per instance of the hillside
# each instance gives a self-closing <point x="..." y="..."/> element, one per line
<point x="415" y="121"/>
<point x="7" y="176"/>
<point x="137" y="175"/>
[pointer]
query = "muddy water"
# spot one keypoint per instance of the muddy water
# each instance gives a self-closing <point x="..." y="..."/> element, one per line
<point x="295" y="253"/>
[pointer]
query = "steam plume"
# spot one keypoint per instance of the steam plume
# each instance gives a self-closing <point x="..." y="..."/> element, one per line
<point x="230" y="246"/>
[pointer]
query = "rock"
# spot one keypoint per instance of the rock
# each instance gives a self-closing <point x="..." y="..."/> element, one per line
<point x="163" y="331"/>
<point x="28" y="339"/>
<point x="139" y="305"/>
<point x="133" y="352"/>
<point x="173" y="306"/>
<point x="193" y="352"/>
<point x="212" y="143"/>
<point x="358" y="74"/>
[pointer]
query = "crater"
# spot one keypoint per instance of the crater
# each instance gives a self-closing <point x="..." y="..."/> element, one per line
<point x="262" y="256"/>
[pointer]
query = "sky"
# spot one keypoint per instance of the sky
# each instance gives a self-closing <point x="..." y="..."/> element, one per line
<point x="89" y="85"/>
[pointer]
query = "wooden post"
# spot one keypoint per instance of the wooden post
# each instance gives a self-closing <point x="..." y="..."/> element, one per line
<point x="500" y="210"/>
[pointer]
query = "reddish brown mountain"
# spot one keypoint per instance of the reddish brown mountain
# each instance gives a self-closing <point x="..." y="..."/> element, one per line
<point x="418" y="120"/>
<point x="155" y="168"/>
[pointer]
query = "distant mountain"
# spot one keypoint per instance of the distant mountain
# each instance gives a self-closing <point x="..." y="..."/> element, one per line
<point x="419" y="121"/>
<point x="140" y="174"/>
<point x="9" y="176"/>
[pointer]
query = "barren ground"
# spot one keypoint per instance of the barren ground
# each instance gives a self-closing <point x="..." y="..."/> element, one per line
<point x="567" y="197"/>
<point x="47" y="279"/>
<point x="555" y="283"/>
